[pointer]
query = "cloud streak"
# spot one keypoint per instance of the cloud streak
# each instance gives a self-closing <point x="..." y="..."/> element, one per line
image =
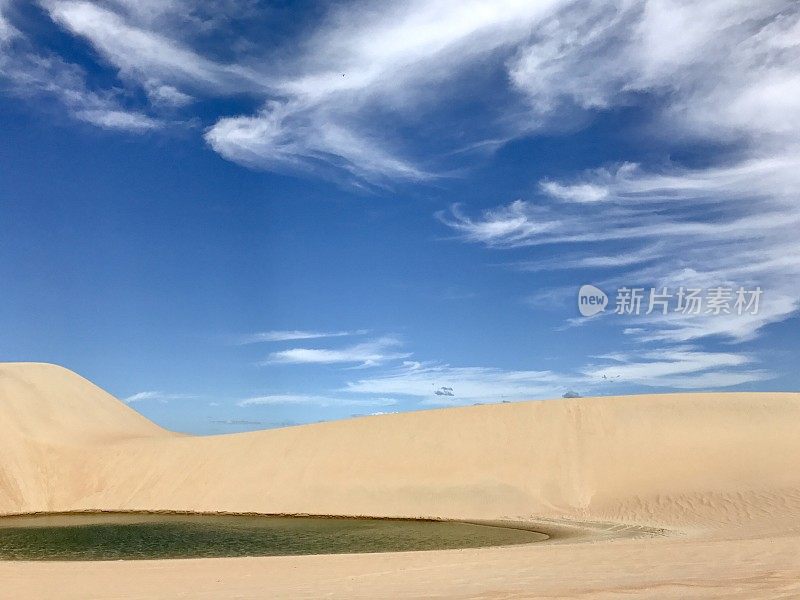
<point x="315" y="400"/>
<point x="330" y="102"/>
<point x="157" y="396"/>
<point x="366" y="354"/>
<point x="680" y="367"/>
<point x="685" y="367"/>
<point x="26" y="72"/>
<point x="293" y="335"/>
<point x="750" y="242"/>
<point x="729" y="79"/>
<point x="466" y="384"/>
<point x="126" y="40"/>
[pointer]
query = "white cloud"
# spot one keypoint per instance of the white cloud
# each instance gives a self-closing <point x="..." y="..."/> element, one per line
<point x="7" y="30"/>
<point x="332" y="100"/>
<point x="436" y="384"/>
<point x="153" y="60"/>
<point x="166" y="95"/>
<point x="718" y="73"/>
<point x="723" y="72"/>
<point x="683" y="367"/>
<point x="519" y="223"/>
<point x="749" y="242"/>
<point x="28" y="73"/>
<point x="560" y="54"/>
<point x="140" y="53"/>
<point x="117" y="119"/>
<point x="754" y="194"/>
<point x="324" y="401"/>
<point x="467" y="384"/>
<point x="373" y="352"/>
<point x="582" y="192"/>
<point x="368" y="61"/>
<point x="645" y="254"/>
<point x="157" y="396"/>
<point x="730" y="77"/>
<point x="295" y="334"/>
<point x="291" y="136"/>
<point x="723" y="66"/>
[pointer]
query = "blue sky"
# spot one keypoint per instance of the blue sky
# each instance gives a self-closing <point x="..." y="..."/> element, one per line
<point x="237" y="214"/>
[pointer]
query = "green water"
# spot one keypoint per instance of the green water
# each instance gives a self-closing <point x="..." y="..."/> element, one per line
<point x="140" y="536"/>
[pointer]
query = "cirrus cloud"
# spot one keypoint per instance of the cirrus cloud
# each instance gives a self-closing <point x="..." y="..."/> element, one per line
<point x="365" y="354"/>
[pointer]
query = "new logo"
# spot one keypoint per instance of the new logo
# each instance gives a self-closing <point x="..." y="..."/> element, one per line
<point x="591" y="300"/>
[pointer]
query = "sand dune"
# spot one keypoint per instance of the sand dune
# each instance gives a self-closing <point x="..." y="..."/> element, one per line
<point x="669" y="460"/>
<point x="721" y="467"/>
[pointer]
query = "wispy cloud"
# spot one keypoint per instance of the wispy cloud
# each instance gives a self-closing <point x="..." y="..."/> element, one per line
<point x="683" y="367"/>
<point x="386" y="65"/>
<point x="236" y="422"/>
<point x="580" y="192"/>
<point x="27" y="72"/>
<point x="749" y="242"/>
<point x="723" y="65"/>
<point x="461" y="385"/>
<point x="129" y="39"/>
<point x="157" y="396"/>
<point x="324" y="401"/>
<point x="366" y="354"/>
<point x="295" y="334"/>
<point x="436" y="384"/>
<point x="647" y="253"/>
<point x="7" y="30"/>
<point x="729" y="222"/>
<point x="332" y="100"/>
<point x="109" y="118"/>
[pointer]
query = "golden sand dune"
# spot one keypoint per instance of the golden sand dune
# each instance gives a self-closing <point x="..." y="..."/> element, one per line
<point x="718" y="473"/>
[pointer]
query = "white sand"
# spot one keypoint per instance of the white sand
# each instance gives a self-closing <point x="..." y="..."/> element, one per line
<point x="719" y="472"/>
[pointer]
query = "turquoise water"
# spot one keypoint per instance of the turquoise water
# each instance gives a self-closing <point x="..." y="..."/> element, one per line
<point x="109" y="536"/>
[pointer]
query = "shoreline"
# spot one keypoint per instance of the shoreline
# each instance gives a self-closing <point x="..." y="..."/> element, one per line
<point x="555" y="530"/>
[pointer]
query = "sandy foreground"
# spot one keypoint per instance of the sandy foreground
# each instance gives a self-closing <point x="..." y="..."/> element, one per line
<point x="668" y="496"/>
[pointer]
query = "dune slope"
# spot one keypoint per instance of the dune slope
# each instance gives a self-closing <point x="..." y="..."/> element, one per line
<point x="681" y="461"/>
<point x="45" y="413"/>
